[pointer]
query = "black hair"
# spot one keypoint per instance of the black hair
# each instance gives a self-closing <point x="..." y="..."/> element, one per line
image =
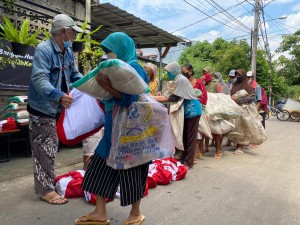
<point x="189" y="67"/>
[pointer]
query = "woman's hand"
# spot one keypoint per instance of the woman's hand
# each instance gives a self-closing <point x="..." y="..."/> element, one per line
<point x="234" y="98"/>
<point x="103" y="80"/>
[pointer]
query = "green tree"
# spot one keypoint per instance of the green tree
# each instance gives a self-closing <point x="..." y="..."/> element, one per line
<point x="290" y="67"/>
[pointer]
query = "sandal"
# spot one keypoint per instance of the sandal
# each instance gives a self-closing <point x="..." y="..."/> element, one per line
<point x="218" y="156"/>
<point x="199" y="155"/>
<point x="137" y="222"/>
<point x="90" y="220"/>
<point x="54" y="199"/>
<point x="238" y="152"/>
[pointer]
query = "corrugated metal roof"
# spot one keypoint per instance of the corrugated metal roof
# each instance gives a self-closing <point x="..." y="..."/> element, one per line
<point x="145" y="35"/>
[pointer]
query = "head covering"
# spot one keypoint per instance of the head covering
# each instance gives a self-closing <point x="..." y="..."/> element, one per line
<point x="63" y="20"/>
<point x="173" y="67"/>
<point x="242" y="85"/>
<point x="249" y="74"/>
<point x="183" y="87"/>
<point x="207" y="78"/>
<point x="122" y="45"/>
<point x="232" y="73"/>
<point x="208" y="69"/>
<point x="221" y="81"/>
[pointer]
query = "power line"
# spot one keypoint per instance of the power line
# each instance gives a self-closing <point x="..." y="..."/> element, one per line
<point x="231" y="7"/>
<point x="210" y="16"/>
<point x="227" y="14"/>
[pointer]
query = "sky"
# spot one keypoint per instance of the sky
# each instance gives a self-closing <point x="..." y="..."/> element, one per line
<point x="180" y="17"/>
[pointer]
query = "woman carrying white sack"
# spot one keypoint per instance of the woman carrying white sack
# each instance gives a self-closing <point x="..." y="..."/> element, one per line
<point x="192" y="111"/>
<point x="101" y="179"/>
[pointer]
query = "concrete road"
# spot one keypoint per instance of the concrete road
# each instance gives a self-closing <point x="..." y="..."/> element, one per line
<point x="260" y="187"/>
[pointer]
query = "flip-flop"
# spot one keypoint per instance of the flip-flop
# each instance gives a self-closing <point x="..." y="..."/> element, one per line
<point x="54" y="199"/>
<point x="137" y="222"/>
<point x="90" y="220"/>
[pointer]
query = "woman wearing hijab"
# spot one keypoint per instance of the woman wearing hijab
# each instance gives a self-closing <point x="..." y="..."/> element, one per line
<point x="188" y="71"/>
<point x="241" y="83"/>
<point x="218" y="77"/>
<point x="101" y="179"/>
<point x="192" y="111"/>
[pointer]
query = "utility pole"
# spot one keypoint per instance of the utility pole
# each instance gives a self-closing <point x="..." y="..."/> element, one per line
<point x="255" y="38"/>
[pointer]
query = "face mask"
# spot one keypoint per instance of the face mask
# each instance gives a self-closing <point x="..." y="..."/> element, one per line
<point x="111" y="55"/>
<point x="187" y="75"/>
<point x="249" y="81"/>
<point x="68" y="44"/>
<point x="239" y="79"/>
<point x="171" y="75"/>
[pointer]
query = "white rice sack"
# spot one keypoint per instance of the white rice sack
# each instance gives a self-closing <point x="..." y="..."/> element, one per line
<point x="22" y="114"/>
<point x="122" y="76"/>
<point x="22" y="100"/>
<point x="222" y="106"/>
<point x="13" y="107"/>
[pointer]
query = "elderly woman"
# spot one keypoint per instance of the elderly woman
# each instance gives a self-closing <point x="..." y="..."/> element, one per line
<point x="153" y="82"/>
<point x="192" y="111"/>
<point x="101" y="179"/>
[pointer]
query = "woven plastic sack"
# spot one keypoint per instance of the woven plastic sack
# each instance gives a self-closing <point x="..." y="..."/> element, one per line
<point x="22" y="100"/>
<point x="221" y="126"/>
<point x="21" y="114"/>
<point x="222" y="106"/>
<point x="248" y="128"/>
<point x="122" y="76"/>
<point x="141" y="133"/>
<point x="204" y="125"/>
<point x="84" y="118"/>
<point x="177" y="122"/>
<point x="14" y="107"/>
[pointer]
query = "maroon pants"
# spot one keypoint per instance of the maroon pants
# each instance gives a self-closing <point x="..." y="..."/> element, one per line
<point x="190" y="131"/>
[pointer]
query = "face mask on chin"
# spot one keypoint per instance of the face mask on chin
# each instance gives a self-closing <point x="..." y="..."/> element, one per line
<point x="111" y="55"/>
<point x="68" y="44"/>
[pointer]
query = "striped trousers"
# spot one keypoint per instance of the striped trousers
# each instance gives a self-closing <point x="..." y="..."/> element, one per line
<point x="44" y="146"/>
<point x="103" y="181"/>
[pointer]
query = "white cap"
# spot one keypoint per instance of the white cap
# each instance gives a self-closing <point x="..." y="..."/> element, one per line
<point x="249" y="74"/>
<point x="63" y="20"/>
<point x="232" y="73"/>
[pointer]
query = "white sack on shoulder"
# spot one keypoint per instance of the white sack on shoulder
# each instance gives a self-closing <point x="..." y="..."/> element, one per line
<point x="222" y="106"/>
<point x="122" y="76"/>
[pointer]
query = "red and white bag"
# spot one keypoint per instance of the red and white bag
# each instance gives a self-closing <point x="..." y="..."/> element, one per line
<point x="91" y="198"/>
<point x="84" y="118"/>
<point x="159" y="174"/>
<point x="69" y="185"/>
<point x="172" y="165"/>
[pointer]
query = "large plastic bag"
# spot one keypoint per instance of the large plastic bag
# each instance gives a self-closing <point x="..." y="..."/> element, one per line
<point x="204" y="125"/>
<point x="141" y="133"/>
<point x="177" y="122"/>
<point x="248" y="128"/>
<point x="84" y="118"/>
<point x="222" y="106"/>
<point x="221" y="126"/>
<point x="122" y="76"/>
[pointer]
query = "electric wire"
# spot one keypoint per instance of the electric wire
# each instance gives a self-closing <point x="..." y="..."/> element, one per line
<point x="231" y="7"/>
<point x="211" y="16"/>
